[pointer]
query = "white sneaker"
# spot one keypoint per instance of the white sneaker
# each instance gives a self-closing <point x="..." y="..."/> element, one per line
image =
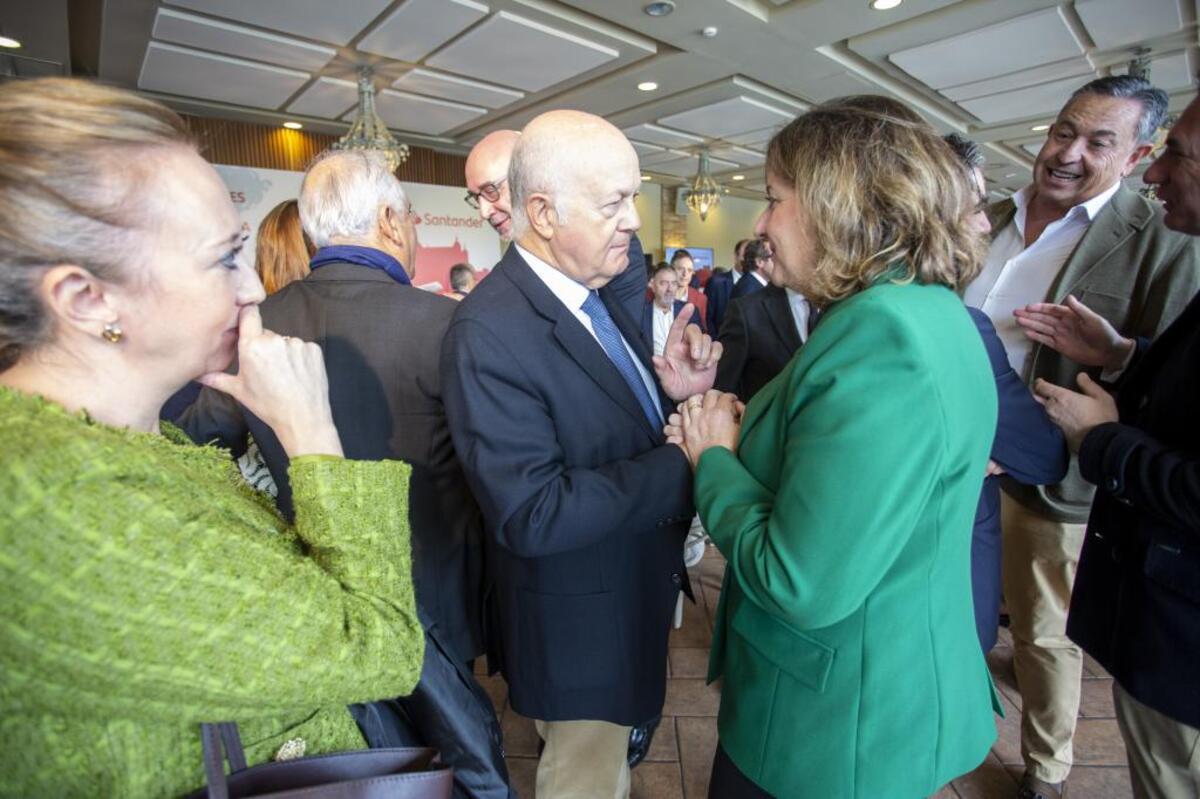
<point x="695" y="544"/>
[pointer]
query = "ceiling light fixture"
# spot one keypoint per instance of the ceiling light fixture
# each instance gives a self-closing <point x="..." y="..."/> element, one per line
<point x="885" y="5"/>
<point x="367" y="131"/>
<point x="705" y="193"/>
<point x="1040" y="128"/>
<point x="738" y="177"/>
<point x="10" y="43"/>
<point x="1011" y="175"/>
<point x="292" y="125"/>
<point x="647" y="86"/>
<point x="646" y="177"/>
<point x="659" y="9"/>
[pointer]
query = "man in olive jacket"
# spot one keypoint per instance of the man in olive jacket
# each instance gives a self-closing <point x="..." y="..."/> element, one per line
<point x="1077" y="230"/>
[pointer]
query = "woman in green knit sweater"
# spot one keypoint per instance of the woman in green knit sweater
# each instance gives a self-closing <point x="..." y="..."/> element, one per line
<point x="146" y="589"/>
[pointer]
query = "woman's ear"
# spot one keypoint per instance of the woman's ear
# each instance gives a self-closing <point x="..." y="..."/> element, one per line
<point x="77" y="299"/>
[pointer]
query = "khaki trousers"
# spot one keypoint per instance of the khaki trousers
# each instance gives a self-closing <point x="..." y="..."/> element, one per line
<point x="583" y="760"/>
<point x="1040" y="558"/>
<point x="1164" y="754"/>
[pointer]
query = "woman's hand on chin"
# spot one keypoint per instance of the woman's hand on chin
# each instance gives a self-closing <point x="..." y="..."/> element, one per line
<point x="282" y="381"/>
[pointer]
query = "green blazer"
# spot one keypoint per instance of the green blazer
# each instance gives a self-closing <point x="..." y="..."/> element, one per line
<point x="1137" y="274"/>
<point x="845" y="632"/>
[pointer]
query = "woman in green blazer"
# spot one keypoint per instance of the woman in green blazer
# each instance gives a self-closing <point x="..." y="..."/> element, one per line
<point x="843" y="496"/>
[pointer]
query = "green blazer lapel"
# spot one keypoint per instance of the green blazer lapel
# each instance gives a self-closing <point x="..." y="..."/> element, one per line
<point x="1123" y="216"/>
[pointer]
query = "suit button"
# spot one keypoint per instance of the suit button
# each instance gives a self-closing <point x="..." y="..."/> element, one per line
<point x="1111" y="484"/>
<point x="1144" y="401"/>
<point x="677" y="579"/>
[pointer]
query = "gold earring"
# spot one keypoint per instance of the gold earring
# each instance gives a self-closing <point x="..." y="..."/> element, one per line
<point x="112" y="332"/>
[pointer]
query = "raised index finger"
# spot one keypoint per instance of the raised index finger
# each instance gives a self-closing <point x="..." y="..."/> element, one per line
<point x="675" y="334"/>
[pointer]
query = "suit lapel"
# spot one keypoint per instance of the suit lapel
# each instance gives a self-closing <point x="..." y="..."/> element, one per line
<point x="576" y="340"/>
<point x="1116" y="222"/>
<point x="779" y="311"/>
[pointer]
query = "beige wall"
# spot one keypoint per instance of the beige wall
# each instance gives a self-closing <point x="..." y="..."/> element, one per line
<point x="649" y="208"/>
<point x="733" y="219"/>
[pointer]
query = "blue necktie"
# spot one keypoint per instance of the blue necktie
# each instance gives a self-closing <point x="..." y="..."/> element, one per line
<point x="614" y="346"/>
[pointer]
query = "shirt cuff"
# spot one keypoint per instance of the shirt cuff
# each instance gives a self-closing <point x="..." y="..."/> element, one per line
<point x="1112" y="375"/>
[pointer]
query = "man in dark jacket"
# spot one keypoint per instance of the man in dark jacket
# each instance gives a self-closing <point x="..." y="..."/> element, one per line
<point x="1136" y="604"/>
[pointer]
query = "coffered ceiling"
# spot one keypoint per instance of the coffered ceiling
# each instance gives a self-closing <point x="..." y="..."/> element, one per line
<point x="728" y="72"/>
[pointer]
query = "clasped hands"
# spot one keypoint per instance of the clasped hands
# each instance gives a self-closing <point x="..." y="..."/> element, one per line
<point x="712" y="419"/>
<point x="1085" y="337"/>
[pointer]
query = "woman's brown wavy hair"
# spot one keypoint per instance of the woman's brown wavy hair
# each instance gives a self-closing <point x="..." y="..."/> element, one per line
<point x="881" y="191"/>
<point x="282" y="251"/>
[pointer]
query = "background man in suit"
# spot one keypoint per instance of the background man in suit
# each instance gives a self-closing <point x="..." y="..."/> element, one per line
<point x="559" y="418"/>
<point x="381" y="338"/>
<point x="659" y="315"/>
<point x="487" y="180"/>
<point x="760" y="334"/>
<point x="720" y="288"/>
<point x="1136" y="608"/>
<point x="685" y="270"/>
<point x="1078" y="230"/>
<point x="756" y="268"/>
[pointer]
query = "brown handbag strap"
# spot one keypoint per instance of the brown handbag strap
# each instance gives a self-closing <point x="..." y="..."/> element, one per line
<point x="218" y="742"/>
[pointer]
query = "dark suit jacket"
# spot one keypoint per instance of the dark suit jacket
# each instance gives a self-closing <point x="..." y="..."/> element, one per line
<point x="1137" y="274"/>
<point x="586" y="509"/>
<point x="381" y="342"/>
<point x="718" y="291"/>
<point x="746" y="286"/>
<point x="1031" y="449"/>
<point x="1136" y="606"/>
<point x="759" y="337"/>
<point x="648" y="321"/>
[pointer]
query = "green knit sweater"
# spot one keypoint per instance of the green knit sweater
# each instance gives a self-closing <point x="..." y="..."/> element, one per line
<point x="147" y="589"/>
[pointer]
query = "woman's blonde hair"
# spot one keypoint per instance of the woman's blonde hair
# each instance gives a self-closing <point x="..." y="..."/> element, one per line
<point x="74" y="161"/>
<point x="282" y="251"/>
<point x="881" y="192"/>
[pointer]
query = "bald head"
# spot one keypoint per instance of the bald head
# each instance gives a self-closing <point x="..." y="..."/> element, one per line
<point x="573" y="180"/>
<point x="487" y="173"/>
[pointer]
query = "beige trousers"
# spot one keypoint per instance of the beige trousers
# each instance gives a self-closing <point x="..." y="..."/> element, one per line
<point x="1164" y="754"/>
<point x="583" y="760"/>
<point x="1040" y="557"/>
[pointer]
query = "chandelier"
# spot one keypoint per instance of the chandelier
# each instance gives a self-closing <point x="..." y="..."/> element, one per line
<point x="705" y="193"/>
<point x="367" y="131"/>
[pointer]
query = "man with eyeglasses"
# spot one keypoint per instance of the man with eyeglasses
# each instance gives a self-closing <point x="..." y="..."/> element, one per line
<point x="487" y="179"/>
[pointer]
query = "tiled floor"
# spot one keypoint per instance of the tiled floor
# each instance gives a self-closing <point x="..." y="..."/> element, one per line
<point x="681" y="756"/>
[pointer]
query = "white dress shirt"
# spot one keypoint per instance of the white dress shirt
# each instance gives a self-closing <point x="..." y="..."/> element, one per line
<point x="1015" y="275"/>
<point x="762" y="281"/>
<point x="573" y="295"/>
<point x="662" y="318"/>
<point x="801" y="311"/>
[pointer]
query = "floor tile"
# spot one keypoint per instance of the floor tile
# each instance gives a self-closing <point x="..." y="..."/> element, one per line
<point x="687" y="697"/>
<point x="697" y="745"/>
<point x="1099" y="782"/>
<point x="990" y="781"/>
<point x="696" y="631"/>
<point x="947" y="792"/>
<point x="664" y="747"/>
<point x="1008" y="734"/>
<point x="689" y="662"/>
<point x="497" y="689"/>
<point x="1096" y="701"/>
<point x="1098" y="743"/>
<point x="656" y="781"/>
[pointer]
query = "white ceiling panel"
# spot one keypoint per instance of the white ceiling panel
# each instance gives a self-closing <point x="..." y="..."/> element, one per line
<point x="1045" y="98"/>
<point x="656" y="135"/>
<point x="1071" y="68"/>
<point x="1032" y="149"/>
<point x="755" y="138"/>
<point x="740" y="155"/>
<point x="451" y="87"/>
<point x="643" y="149"/>
<point x="1169" y="72"/>
<point x="1111" y="23"/>
<point x="418" y="27"/>
<point x="405" y="111"/>
<point x="1026" y="41"/>
<point x="686" y="167"/>
<point x="514" y="51"/>
<point x="210" y="34"/>
<point x="663" y="157"/>
<point x="728" y="117"/>
<point x="326" y="97"/>
<point x="191" y="73"/>
<point x="336" y="22"/>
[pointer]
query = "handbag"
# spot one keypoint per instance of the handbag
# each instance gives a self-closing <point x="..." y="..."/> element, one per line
<point x="401" y="773"/>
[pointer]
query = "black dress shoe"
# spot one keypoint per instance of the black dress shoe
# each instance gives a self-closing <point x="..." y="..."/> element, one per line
<point x="639" y="740"/>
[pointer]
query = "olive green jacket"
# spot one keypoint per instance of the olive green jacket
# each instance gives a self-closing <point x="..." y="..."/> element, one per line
<point x="845" y="632"/>
<point x="1137" y="274"/>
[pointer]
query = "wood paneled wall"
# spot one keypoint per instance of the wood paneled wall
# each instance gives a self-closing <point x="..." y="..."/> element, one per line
<point x="226" y="141"/>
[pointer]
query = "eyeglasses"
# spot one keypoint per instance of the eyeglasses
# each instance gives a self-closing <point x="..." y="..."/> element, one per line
<point x="488" y="191"/>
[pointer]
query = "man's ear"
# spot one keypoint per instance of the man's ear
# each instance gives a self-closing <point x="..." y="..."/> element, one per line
<point x="1135" y="158"/>
<point x="542" y="215"/>
<point x="389" y="226"/>
<point x="75" y="297"/>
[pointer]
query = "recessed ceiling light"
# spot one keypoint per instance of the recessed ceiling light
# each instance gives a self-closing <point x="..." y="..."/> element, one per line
<point x="12" y="44"/>
<point x="646" y="177"/>
<point x="1040" y="128"/>
<point x="738" y="177"/>
<point x="292" y="125"/>
<point x="659" y="9"/>
<point x="1011" y="175"/>
<point x="885" y="5"/>
<point x="647" y="86"/>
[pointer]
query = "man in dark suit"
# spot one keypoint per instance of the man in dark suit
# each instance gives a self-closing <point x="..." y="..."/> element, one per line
<point x="760" y="334"/>
<point x="555" y="408"/>
<point x="719" y="289"/>
<point x="658" y="316"/>
<point x="1136" y="604"/>
<point x="756" y="269"/>
<point x="381" y="338"/>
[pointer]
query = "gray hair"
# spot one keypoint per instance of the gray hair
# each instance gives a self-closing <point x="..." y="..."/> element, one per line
<point x="967" y="150"/>
<point x="342" y="193"/>
<point x="536" y="167"/>
<point x="1128" y="87"/>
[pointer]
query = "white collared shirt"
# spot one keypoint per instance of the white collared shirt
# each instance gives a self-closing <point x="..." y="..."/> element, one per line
<point x="758" y="276"/>
<point x="573" y="294"/>
<point x="801" y="312"/>
<point x="1014" y="275"/>
<point x="662" y="319"/>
